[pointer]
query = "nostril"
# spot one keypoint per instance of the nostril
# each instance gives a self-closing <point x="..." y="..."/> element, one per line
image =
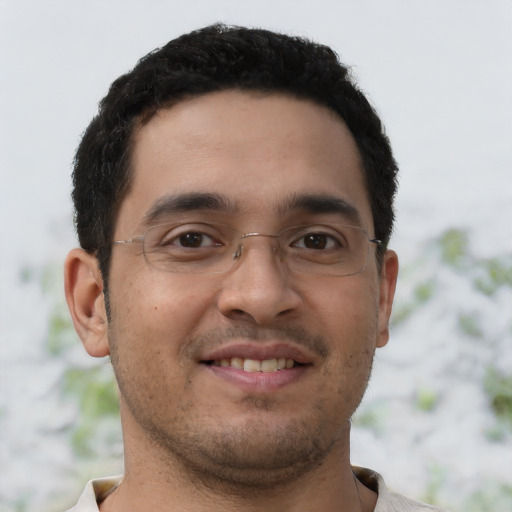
<point x="238" y="311"/>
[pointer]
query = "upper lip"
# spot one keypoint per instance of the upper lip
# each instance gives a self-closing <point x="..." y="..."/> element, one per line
<point x="259" y="351"/>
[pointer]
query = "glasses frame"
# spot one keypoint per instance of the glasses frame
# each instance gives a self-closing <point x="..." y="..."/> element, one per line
<point x="240" y="248"/>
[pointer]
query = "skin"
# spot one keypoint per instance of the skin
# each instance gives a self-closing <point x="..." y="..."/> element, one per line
<point x="196" y="439"/>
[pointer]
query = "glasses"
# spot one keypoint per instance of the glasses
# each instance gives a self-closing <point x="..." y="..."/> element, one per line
<point x="210" y="248"/>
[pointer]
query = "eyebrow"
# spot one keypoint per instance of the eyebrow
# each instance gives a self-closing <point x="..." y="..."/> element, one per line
<point x="195" y="201"/>
<point x="171" y="204"/>
<point x="321" y="203"/>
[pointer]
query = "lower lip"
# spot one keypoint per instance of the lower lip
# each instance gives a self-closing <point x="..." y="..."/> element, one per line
<point x="259" y="381"/>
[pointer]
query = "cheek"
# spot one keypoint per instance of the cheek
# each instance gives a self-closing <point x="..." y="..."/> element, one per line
<point x="343" y="305"/>
<point x="347" y="317"/>
<point x="157" y="309"/>
<point x="153" y="316"/>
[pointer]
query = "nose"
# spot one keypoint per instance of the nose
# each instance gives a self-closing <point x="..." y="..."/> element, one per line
<point x="258" y="288"/>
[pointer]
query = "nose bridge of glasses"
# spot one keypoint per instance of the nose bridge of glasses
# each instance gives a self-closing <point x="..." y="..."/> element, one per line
<point x="240" y="249"/>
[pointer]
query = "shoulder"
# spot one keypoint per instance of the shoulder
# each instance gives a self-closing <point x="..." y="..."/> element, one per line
<point x="95" y="492"/>
<point x="387" y="500"/>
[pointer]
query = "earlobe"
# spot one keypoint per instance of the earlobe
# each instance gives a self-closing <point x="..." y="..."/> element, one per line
<point x="387" y="285"/>
<point x="83" y="286"/>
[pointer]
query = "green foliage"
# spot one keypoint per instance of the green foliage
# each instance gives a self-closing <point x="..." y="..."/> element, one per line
<point x="490" y="274"/>
<point x="26" y="274"/>
<point x="487" y="275"/>
<point x="496" y="272"/>
<point x="95" y="391"/>
<point x="401" y="312"/>
<point x="498" y="387"/>
<point x="422" y="293"/>
<point x="491" y="497"/>
<point x="61" y="334"/>
<point x="60" y="329"/>
<point x="454" y="246"/>
<point x="372" y="417"/>
<point x="497" y="433"/>
<point x="51" y="280"/>
<point x="437" y="476"/>
<point x="95" y="388"/>
<point x="469" y="324"/>
<point x="426" y="399"/>
<point x="21" y="504"/>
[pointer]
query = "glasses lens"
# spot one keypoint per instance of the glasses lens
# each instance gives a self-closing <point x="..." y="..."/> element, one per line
<point x="333" y="249"/>
<point x="190" y="248"/>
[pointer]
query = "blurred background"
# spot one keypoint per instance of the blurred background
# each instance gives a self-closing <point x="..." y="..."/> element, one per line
<point x="437" y="418"/>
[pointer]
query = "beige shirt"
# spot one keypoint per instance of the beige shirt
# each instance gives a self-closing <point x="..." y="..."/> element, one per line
<point x="97" y="490"/>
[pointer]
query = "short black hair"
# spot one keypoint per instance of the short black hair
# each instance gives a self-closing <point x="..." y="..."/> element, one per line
<point x="211" y="59"/>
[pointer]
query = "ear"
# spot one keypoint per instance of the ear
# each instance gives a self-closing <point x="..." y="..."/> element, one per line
<point x="387" y="287"/>
<point x="83" y="286"/>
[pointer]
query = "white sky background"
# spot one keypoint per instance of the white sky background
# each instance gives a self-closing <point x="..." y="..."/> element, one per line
<point x="438" y="71"/>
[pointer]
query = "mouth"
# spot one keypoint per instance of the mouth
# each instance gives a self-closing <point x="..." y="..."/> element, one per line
<point x="259" y="367"/>
<point x="255" y="365"/>
<point x="263" y="375"/>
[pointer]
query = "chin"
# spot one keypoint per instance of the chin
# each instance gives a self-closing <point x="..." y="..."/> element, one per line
<point x="254" y="454"/>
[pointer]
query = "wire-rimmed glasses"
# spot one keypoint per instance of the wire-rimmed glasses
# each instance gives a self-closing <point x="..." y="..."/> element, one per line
<point x="213" y="248"/>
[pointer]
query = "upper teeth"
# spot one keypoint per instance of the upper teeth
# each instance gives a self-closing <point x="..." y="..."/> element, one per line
<point x="255" y="365"/>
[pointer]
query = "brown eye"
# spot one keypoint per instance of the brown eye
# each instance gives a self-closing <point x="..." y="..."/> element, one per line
<point x="193" y="240"/>
<point x="186" y="237"/>
<point x="315" y="241"/>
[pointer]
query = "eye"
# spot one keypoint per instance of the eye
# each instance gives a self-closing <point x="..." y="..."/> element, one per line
<point x="316" y="241"/>
<point x="193" y="240"/>
<point x="185" y="237"/>
<point x="191" y="246"/>
<point x="189" y="240"/>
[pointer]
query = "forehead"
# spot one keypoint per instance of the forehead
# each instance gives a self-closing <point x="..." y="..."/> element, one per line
<point x="257" y="150"/>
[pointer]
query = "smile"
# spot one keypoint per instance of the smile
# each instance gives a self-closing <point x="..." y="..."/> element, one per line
<point x="255" y="365"/>
<point x="264" y="366"/>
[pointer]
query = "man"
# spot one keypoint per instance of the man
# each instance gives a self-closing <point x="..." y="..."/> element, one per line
<point x="234" y="204"/>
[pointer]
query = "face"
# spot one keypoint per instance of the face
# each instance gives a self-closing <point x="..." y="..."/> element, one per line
<point x="260" y="164"/>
